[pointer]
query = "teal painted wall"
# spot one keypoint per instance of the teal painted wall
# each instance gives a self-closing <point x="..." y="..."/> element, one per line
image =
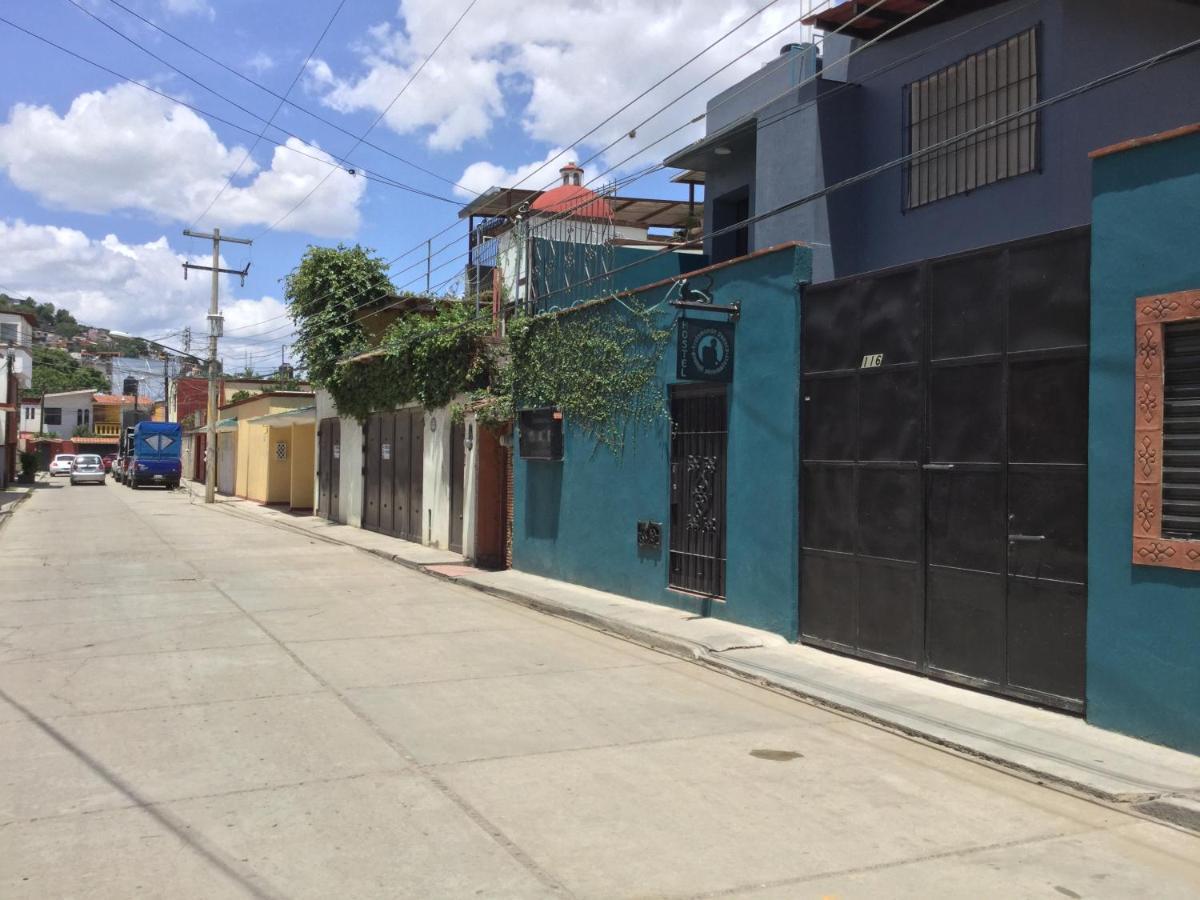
<point x="1143" y="623"/>
<point x="566" y="274"/>
<point x="576" y="520"/>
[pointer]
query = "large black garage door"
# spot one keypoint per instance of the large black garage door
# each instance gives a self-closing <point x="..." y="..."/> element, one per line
<point x="944" y="487"/>
<point x="392" y="487"/>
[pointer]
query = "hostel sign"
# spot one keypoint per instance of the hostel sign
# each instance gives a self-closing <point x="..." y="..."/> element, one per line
<point x="705" y="351"/>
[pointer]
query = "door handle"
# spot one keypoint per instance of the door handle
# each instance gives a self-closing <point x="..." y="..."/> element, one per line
<point x="938" y="467"/>
<point x="1026" y="538"/>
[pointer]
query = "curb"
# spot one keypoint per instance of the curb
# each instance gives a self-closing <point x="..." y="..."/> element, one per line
<point x="1177" y="810"/>
<point x="6" y="514"/>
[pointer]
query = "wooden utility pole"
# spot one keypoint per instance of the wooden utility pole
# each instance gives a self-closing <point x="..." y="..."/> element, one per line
<point x="214" y="331"/>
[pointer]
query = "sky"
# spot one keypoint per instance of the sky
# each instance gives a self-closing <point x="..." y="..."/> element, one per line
<point x="99" y="177"/>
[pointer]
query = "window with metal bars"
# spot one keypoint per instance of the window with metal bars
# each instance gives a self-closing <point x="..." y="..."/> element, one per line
<point x="1181" y="432"/>
<point x="991" y="85"/>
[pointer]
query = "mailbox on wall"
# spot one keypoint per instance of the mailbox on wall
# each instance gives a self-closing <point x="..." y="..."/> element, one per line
<point x="541" y="434"/>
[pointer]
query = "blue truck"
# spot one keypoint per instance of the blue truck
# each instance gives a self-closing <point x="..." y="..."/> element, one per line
<point x="153" y="455"/>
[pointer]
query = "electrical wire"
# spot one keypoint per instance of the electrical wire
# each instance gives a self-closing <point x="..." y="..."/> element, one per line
<point x="308" y="112"/>
<point x="282" y="100"/>
<point x="208" y="115"/>
<point x="358" y="141"/>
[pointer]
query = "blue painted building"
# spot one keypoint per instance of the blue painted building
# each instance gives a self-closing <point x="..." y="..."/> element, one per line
<point x="1143" y="612"/>
<point x="577" y="518"/>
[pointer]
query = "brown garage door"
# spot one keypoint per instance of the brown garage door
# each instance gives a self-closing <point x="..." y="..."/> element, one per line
<point x="392" y="487"/>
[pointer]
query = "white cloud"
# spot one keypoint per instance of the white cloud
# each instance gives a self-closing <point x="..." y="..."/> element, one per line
<point x="136" y="288"/>
<point x="126" y="150"/>
<point x="480" y="176"/>
<point x="189" y="8"/>
<point x="261" y="62"/>
<point x="558" y="69"/>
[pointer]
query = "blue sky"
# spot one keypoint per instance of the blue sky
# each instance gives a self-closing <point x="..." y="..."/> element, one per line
<point x="98" y="178"/>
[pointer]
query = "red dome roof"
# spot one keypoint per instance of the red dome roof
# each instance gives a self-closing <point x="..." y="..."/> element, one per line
<point x="575" y="200"/>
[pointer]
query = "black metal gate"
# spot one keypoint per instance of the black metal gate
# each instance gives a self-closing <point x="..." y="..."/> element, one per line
<point x="329" y="455"/>
<point x="394" y="470"/>
<point x="944" y="499"/>
<point x="699" y="426"/>
<point x="458" y="460"/>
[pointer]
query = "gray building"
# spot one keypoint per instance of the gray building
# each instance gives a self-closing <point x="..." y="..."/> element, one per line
<point x="810" y="120"/>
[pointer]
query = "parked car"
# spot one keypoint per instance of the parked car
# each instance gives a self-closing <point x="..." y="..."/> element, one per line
<point x="87" y="468"/>
<point x="118" y="468"/>
<point x="108" y="459"/>
<point x="61" y="464"/>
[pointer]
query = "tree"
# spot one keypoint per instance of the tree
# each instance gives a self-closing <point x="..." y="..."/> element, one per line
<point x="56" y="370"/>
<point x="239" y="395"/>
<point x="323" y="293"/>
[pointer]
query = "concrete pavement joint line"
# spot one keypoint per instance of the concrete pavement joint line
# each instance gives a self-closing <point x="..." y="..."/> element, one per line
<point x="697" y="652"/>
<point x="217" y="795"/>
<point x="180" y="829"/>
<point x="477" y="678"/>
<point x="187" y="704"/>
<point x="896" y="864"/>
<point x="69" y="653"/>
<point x="475" y="815"/>
<point x="781" y="679"/>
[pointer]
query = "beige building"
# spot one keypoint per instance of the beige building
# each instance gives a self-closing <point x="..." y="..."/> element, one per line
<point x="273" y="444"/>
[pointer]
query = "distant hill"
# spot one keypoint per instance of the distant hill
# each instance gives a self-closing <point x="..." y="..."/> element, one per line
<point x="62" y="324"/>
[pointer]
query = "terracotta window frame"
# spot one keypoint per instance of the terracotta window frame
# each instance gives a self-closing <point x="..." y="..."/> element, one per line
<point x="1152" y="314"/>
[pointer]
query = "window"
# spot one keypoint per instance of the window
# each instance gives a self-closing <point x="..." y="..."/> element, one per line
<point x="82" y="416"/>
<point x="1166" y="469"/>
<point x="53" y="415"/>
<point x="728" y="210"/>
<point x="9" y="334"/>
<point x="990" y="85"/>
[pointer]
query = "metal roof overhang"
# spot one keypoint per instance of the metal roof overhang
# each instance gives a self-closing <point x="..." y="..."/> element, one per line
<point x="497" y="201"/>
<point x="868" y="19"/>
<point x="303" y="415"/>
<point x="738" y="137"/>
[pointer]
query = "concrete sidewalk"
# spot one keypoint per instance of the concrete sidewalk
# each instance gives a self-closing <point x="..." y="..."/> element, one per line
<point x="1046" y="746"/>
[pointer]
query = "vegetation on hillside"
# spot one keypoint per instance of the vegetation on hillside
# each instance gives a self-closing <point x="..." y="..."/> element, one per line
<point x="56" y="370"/>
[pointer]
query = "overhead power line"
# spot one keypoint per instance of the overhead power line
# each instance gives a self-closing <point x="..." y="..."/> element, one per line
<point x="304" y="109"/>
<point x="213" y="116"/>
<point x="378" y="118"/>
<point x="282" y="100"/>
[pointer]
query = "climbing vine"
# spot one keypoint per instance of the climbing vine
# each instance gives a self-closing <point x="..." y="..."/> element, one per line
<point x="422" y="359"/>
<point x="596" y="362"/>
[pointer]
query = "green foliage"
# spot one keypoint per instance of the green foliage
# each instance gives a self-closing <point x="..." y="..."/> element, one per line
<point x="239" y="395"/>
<point x="423" y="359"/>
<point x="82" y="431"/>
<point x="56" y="370"/>
<point x="322" y="293"/>
<point x="29" y="462"/>
<point x="596" y="362"/>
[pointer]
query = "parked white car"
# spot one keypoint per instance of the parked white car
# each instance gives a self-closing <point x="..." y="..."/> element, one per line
<point x="87" y="468"/>
<point x="61" y="464"/>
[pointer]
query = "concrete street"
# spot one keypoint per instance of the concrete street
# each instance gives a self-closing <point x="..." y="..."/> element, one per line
<point x="197" y="705"/>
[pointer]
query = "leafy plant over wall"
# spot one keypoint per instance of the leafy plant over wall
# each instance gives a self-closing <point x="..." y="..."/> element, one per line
<point x="324" y="292"/>
<point x="427" y="359"/>
<point x="596" y="362"/>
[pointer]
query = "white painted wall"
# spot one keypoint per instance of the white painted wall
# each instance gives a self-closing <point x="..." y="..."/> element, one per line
<point x="435" y="480"/>
<point x="70" y="403"/>
<point x="227" y="462"/>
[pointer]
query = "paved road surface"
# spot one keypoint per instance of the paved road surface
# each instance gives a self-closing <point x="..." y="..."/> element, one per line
<point x="197" y="705"/>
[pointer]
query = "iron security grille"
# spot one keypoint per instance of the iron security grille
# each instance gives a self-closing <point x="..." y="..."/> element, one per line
<point x="982" y="88"/>
<point x="1181" y="432"/>
<point x="698" y="435"/>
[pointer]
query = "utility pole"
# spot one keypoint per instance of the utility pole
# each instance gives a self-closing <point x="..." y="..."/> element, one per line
<point x="214" y="331"/>
<point x="166" y="388"/>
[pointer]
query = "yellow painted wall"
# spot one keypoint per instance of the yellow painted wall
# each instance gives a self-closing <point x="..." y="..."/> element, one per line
<point x="303" y="457"/>
<point x="260" y="476"/>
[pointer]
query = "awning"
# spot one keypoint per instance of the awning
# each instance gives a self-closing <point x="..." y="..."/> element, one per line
<point x="737" y="137"/>
<point x="223" y="425"/>
<point x="304" y="415"/>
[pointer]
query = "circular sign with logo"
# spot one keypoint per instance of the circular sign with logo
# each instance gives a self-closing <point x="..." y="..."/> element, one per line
<point x="705" y="351"/>
<point x="710" y="352"/>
